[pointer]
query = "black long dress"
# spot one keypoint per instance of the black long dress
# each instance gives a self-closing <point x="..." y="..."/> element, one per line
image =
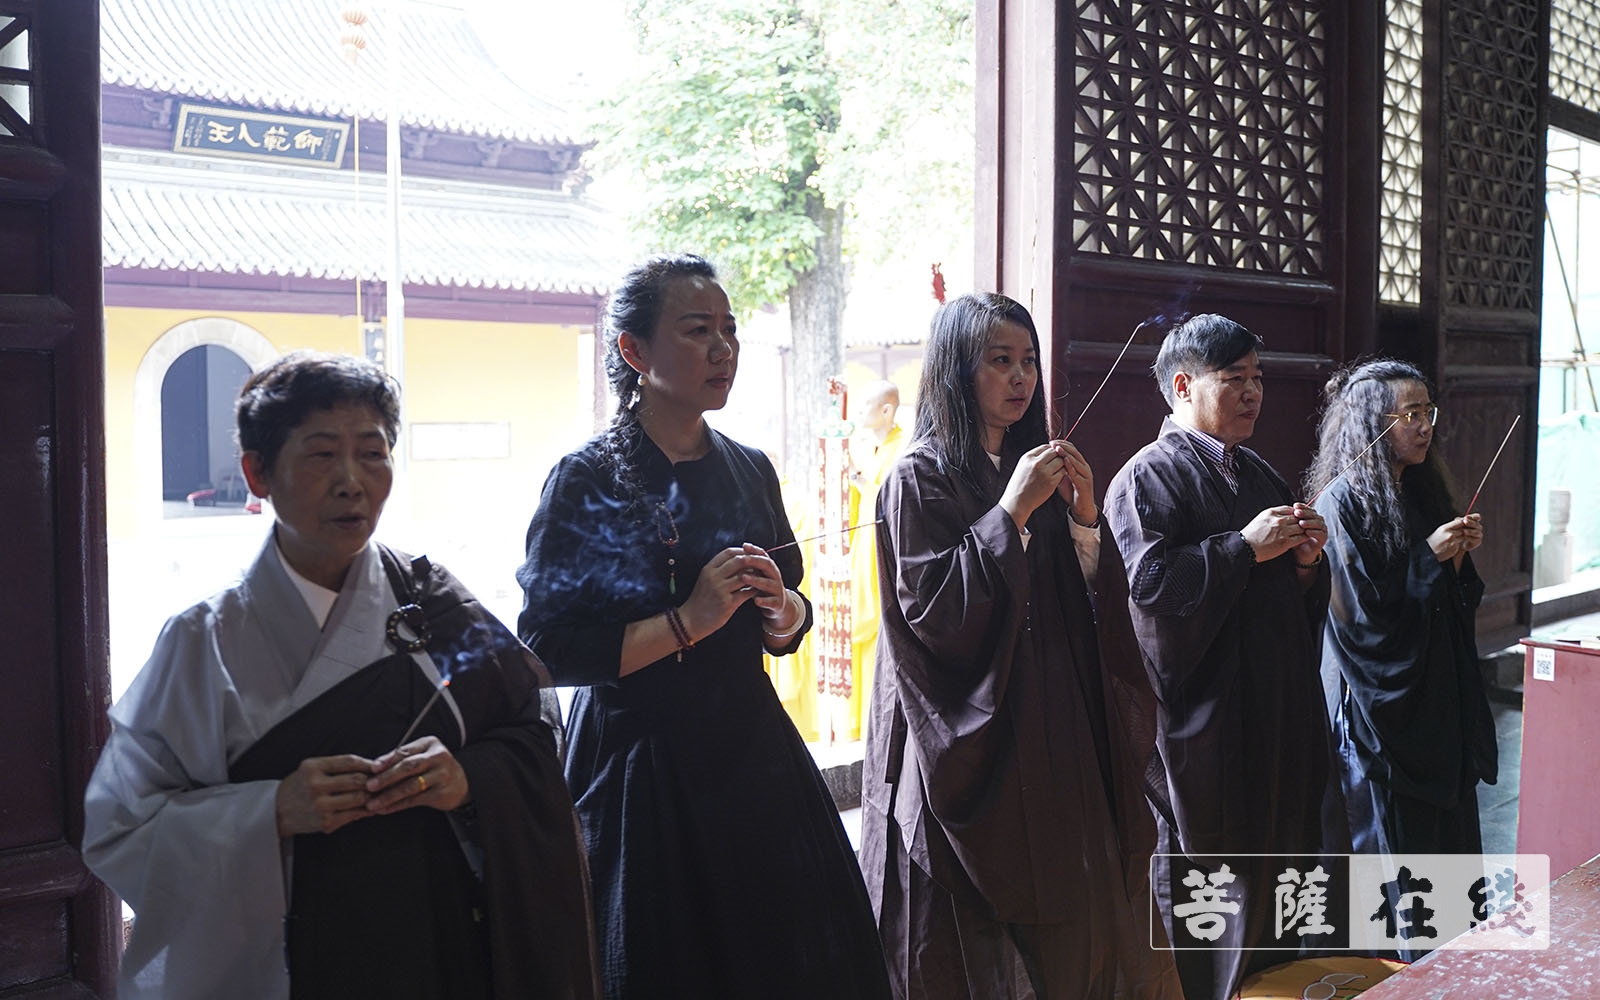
<point x="1231" y="647"/>
<point x="1400" y="668"/>
<point x="1010" y="735"/>
<point x="719" y="863"/>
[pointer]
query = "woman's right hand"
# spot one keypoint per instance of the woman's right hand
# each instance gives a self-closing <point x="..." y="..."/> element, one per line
<point x="1036" y="476"/>
<point x="323" y="794"/>
<point x="719" y="590"/>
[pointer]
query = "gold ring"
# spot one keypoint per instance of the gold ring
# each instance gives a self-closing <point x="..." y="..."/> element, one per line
<point x="422" y="784"/>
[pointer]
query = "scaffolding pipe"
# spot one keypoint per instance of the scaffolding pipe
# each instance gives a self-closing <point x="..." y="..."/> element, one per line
<point x="1572" y="304"/>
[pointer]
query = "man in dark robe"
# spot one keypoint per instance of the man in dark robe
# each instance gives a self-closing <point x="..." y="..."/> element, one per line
<point x="1228" y="594"/>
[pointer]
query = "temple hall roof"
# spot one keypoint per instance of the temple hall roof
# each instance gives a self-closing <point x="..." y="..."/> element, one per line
<point x="286" y="54"/>
<point x="172" y="211"/>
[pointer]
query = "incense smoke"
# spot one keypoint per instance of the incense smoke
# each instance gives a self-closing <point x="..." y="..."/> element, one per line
<point x="611" y="558"/>
<point x="474" y="646"/>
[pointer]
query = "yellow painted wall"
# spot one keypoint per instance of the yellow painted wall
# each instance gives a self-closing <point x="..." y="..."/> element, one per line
<point x="472" y="514"/>
<point x="131" y="331"/>
<point x="908" y="377"/>
<point x="526" y="375"/>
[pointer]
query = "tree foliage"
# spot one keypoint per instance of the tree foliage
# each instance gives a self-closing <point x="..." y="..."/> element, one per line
<point x="741" y="111"/>
<point x="782" y="136"/>
<point x="725" y="125"/>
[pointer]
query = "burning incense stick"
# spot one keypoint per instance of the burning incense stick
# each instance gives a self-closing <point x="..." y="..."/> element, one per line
<point x="1352" y="463"/>
<point x="1109" y="372"/>
<point x="418" y="720"/>
<point x="821" y="534"/>
<point x="1493" y="460"/>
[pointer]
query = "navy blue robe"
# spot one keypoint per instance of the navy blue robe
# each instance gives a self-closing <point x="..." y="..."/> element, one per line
<point x="1400" y="669"/>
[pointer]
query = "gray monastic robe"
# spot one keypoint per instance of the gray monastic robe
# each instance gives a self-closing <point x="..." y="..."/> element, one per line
<point x="197" y="855"/>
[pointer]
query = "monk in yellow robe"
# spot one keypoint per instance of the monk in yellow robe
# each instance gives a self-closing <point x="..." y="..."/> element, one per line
<point x="883" y="438"/>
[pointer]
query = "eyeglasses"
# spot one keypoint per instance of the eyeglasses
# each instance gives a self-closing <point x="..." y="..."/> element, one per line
<point x="1410" y="417"/>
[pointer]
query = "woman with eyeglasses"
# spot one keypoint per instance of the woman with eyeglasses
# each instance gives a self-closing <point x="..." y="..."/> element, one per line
<point x="1399" y="659"/>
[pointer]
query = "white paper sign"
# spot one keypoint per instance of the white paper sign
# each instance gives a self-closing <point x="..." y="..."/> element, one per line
<point x="1544" y="664"/>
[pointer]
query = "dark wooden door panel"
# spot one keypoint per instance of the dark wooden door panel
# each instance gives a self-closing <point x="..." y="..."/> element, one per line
<point x="34" y="943"/>
<point x="1483" y="163"/>
<point x="59" y="929"/>
<point x="30" y="753"/>
<point x="1145" y="160"/>
<point x="1108" y="299"/>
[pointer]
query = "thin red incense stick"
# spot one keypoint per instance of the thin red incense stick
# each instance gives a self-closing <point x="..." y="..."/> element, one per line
<point x="1493" y="460"/>
<point x="1313" y="501"/>
<point x="821" y="534"/>
<point x="418" y="720"/>
<point x="1109" y="372"/>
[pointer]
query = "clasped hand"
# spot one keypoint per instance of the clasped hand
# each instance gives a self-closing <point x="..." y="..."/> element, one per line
<point x="1276" y="530"/>
<point x="324" y="794"/>
<point x="1053" y="467"/>
<point x="735" y="575"/>
<point x="1457" y="537"/>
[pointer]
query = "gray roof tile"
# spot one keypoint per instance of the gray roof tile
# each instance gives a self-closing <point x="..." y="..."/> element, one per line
<point x="179" y="212"/>
<point x="286" y="54"/>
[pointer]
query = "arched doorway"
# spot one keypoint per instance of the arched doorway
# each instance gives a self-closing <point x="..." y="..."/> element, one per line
<point x="199" y="460"/>
<point x="150" y="487"/>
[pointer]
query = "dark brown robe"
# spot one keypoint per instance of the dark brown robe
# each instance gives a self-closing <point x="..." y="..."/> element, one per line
<point x="1232" y="648"/>
<point x="1008" y="737"/>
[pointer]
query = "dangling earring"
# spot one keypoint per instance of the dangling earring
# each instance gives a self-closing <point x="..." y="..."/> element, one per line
<point x="641" y="380"/>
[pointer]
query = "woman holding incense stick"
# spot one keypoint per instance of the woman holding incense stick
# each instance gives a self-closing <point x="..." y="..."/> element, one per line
<point x="339" y="777"/>
<point x="719" y="864"/>
<point x="1005" y="835"/>
<point x="1399" y="659"/>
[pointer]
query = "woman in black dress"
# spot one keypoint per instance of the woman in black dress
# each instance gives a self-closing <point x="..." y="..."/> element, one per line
<point x="1399" y="659"/>
<point x="719" y="864"/>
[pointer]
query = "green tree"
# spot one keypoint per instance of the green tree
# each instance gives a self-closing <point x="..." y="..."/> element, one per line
<point x="756" y="128"/>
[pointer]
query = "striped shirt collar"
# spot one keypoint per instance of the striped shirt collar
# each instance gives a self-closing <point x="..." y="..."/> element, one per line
<point x="1224" y="458"/>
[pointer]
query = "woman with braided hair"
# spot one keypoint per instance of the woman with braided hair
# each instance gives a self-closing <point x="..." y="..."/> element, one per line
<point x="1399" y="659"/>
<point x="719" y="865"/>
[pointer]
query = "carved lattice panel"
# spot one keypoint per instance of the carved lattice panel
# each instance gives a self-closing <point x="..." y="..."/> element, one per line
<point x="1575" y="52"/>
<point x="16" y="77"/>
<point x="1493" y="199"/>
<point x="1400" y="236"/>
<point x="1198" y="133"/>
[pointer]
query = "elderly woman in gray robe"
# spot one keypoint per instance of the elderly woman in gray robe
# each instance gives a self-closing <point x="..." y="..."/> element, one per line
<point x="338" y="777"/>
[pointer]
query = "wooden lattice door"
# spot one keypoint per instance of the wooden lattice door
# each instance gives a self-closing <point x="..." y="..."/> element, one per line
<point x="1483" y="148"/>
<point x="58" y="932"/>
<point x="1141" y="160"/>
